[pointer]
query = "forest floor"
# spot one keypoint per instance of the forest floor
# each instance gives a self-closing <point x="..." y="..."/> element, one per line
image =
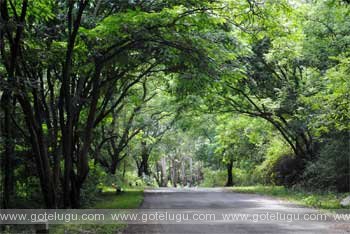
<point x="218" y="199"/>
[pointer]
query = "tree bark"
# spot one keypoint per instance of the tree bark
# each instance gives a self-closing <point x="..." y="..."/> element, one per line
<point x="229" y="166"/>
<point x="143" y="168"/>
<point x="173" y="173"/>
<point x="163" y="175"/>
<point x="8" y="154"/>
<point x="8" y="95"/>
<point x="40" y="151"/>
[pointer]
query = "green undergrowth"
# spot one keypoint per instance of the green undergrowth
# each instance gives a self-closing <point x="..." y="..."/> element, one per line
<point x="108" y="199"/>
<point x="321" y="200"/>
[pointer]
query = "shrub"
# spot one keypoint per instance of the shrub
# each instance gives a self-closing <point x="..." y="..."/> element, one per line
<point x="215" y="178"/>
<point x="331" y="170"/>
<point x="243" y="177"/>
<point x="93" y="184"/>
<point x="278" y="163"/>
<point x="287" y="170"/>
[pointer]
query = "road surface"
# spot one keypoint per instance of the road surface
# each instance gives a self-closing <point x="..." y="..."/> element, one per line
<point x="221" y="198"/>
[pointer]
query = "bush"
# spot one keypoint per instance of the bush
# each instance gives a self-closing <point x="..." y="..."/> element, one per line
<point x="287" y="170"/>
<point x="278" y="166"/>
<point x="214" y="178"/>
<point x="331" y="170"/>
<point x="243" y="177"/>
<point x="93" y="184"/>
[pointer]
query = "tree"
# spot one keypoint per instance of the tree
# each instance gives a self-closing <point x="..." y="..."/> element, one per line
<point x="156" y="120"/>
<point x="64" y="84"/>
<point x="122" y="129"/>
<point x="237" y="140"/>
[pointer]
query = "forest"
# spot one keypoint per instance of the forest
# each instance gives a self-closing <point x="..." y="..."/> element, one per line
<point x="127" y="94"/>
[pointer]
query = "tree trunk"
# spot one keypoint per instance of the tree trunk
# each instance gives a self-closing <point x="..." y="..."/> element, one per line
<point x="173" y="173"/>
<point x="40" y="148"/>
<point x="183" y="174"/>
<point x="68" y="164"/>
<point x="45" y="175"/>
<point x="114" y="165"/>
<point x="8" y="155"/>
<point x="124" y="170"/>
<point x="229" y="166"/>
<point x="143" y="168"/>
<point x="157" y="174"/>
<point x="75" y="194"/>
<point x="191" y="172"/>
<point x="8" y="96"/>
<point x="163" y="175"/>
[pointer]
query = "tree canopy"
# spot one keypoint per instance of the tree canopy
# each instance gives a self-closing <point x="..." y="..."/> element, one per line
<point x="258" y="88"/>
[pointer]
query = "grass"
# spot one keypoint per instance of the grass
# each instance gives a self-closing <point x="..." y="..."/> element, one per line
<point x="130" y="199"/>
<point x="321" y="200"/>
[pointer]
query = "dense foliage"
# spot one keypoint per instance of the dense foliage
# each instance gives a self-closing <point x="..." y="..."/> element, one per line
<point x="171" y="93"/>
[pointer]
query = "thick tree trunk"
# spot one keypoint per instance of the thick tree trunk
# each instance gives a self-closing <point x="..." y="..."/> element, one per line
<point x="146" y="167"/>
<point x="75" y="194"/>
<point x="8" y="154"/>
<point x="139" y="171"/>
<point x="143" y="168"/>
<point x="72" y="180"/>
<point x="229" y="166"/>
<point x="68" y="164"/>
<point x="114" y="165"/>
<point x="40" y="148"/>
<point x="10" y="63"/>
<point x="157" y="174"/>
<point x="116" y="159"/>
<point x="45" y="175"/>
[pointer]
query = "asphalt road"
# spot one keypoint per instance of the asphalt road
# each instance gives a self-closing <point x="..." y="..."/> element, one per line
<point x="216" y="199"/>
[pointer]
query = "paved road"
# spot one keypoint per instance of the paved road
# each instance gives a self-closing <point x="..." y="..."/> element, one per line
<point x="220" y="198"/>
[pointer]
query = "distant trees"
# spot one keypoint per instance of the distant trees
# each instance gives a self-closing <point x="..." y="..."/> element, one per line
<point x="120" y="128"/>
<point x="156" y="124"/>
<point x="237" y="142"/>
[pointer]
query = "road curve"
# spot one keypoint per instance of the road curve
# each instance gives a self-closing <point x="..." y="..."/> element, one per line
<point x="221" y="198"/>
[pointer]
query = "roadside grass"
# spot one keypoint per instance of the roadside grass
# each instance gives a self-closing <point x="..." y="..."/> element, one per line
<point x="129" y="199"/>
<point x="321" y="200"/>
